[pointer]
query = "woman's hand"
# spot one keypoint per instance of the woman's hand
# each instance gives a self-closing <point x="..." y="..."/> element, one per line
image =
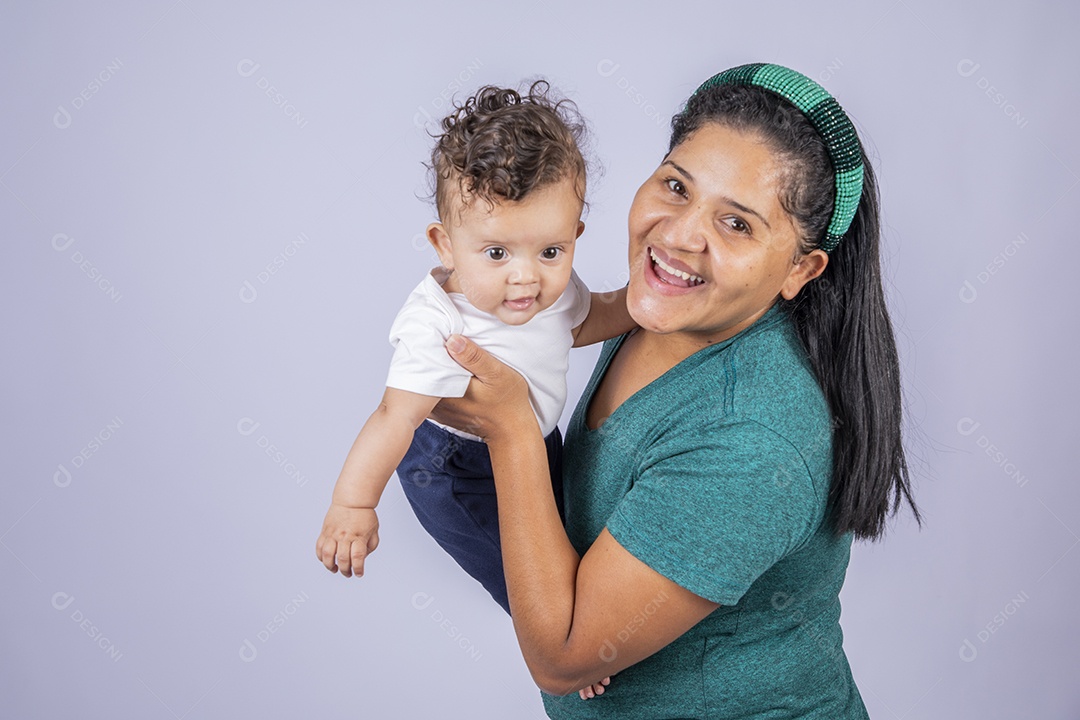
<point x="497" y="401"/>
<point x="567" y="608"/>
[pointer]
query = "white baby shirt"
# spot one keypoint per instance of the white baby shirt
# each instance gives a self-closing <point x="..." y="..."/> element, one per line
<point x="539" y="349"/>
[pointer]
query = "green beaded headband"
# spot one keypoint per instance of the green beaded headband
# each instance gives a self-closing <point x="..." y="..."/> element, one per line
<point x="827" y="117"/>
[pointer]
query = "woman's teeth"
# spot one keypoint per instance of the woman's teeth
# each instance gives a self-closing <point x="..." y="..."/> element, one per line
<point x="692" y="279"/>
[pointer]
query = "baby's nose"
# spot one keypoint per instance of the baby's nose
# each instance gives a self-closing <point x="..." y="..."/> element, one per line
<point x="524" y="274"/>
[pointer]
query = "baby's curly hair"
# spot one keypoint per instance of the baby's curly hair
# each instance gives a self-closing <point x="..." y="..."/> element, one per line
<point x="501" y="145"/>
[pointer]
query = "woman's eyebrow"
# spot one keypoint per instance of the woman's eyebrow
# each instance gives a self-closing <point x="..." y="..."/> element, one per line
<point x="728" y="200"/>
<point x="745" y="209"/>
<point x="680" y="169"/>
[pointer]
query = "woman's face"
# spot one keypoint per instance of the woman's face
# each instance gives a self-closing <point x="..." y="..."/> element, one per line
<point x="711" y="248"/>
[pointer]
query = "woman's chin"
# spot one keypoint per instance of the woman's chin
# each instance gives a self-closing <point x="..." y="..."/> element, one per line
<point x="652" y="316"/>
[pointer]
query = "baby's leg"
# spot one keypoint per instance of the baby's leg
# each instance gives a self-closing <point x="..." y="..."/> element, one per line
<point x="450" y="485"/>
<point x="447" y="480"/>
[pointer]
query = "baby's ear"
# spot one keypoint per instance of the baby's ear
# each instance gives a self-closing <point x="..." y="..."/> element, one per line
<point x="580" y="228"/>
<point x="440" y="240"/>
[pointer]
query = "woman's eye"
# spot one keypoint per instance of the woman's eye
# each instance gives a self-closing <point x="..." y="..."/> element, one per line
<point x="675" y="186"/>
<point x="496" y="253"/>
<point x="550" y="253"/>
<point x="739" y="226"/>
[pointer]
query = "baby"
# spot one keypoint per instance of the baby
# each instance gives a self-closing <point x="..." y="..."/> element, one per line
<point x="509" y="189"/>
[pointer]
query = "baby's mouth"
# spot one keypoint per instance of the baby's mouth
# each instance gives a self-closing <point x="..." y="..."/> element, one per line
<point x="671" y="275"/>
<point x="520" y="303"/>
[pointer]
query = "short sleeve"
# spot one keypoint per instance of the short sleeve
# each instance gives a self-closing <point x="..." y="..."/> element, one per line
<point x="421" y="363"/>
<point x="715" y="510"/>
<point x="579" y="309"/>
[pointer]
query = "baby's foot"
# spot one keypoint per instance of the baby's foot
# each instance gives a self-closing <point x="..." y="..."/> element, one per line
<point x="593" y="690"/>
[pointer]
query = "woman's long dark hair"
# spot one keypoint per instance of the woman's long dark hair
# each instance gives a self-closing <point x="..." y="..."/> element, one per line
<point x="840" y="317"/>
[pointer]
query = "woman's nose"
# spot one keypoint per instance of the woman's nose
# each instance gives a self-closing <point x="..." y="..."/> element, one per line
<point x="686" y="229"/>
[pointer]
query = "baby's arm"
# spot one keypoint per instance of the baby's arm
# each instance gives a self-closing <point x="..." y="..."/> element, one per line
<point x="608" y="318"/>
<point x="350" y="530"/>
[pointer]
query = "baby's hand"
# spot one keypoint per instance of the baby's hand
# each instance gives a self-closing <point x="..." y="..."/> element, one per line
<point x="349" y="534"/>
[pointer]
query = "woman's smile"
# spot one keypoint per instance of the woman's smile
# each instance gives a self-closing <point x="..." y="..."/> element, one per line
<point x="669" y="272"/>
<point x="711" y="247"/>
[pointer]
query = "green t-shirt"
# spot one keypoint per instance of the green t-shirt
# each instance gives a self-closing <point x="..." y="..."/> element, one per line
<point x="716" y="475"/>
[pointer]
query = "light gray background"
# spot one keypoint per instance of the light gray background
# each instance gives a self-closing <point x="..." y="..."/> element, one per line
<point x="196" y="270"/>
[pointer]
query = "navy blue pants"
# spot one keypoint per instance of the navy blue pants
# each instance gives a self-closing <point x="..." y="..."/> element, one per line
<point x="449" y="483"/>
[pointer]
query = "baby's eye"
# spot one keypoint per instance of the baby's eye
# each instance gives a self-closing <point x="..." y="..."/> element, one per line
<point x="550" y="253"/>
<point x="496" y="253"/>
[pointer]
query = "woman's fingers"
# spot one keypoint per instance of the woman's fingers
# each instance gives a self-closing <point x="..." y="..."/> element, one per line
<point x="473" y="358"/>
<point x="497" y="398"/>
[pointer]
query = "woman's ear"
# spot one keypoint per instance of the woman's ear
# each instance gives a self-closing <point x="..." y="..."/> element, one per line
<point x="440" y="240"/>
<point x="807" y="268"/>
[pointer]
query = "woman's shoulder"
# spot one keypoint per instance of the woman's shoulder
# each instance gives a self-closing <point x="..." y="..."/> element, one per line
<point x="772" y="367"/>
<point x="772" y="383"/>
<point x="763" y="373"/>
<point x="763" y="378"/>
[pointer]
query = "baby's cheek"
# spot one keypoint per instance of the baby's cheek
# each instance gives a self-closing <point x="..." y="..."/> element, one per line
<point x="495" y="303"/>
<point x="556" y="287"/>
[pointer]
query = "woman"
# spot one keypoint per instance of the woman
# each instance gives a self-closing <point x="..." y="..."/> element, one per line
<point x="725" y="454"/>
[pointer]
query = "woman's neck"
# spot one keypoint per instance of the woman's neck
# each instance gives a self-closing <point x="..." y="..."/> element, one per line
<point x="665" y="351"/>
<point x="675" y="347"/>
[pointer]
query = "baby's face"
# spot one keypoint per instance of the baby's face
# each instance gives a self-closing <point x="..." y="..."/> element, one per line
<point x="513" y="260"/>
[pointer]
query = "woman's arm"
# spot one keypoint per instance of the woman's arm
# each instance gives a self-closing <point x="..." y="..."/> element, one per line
<point x="607" y="318"/>
<point x="577" y="619"/>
